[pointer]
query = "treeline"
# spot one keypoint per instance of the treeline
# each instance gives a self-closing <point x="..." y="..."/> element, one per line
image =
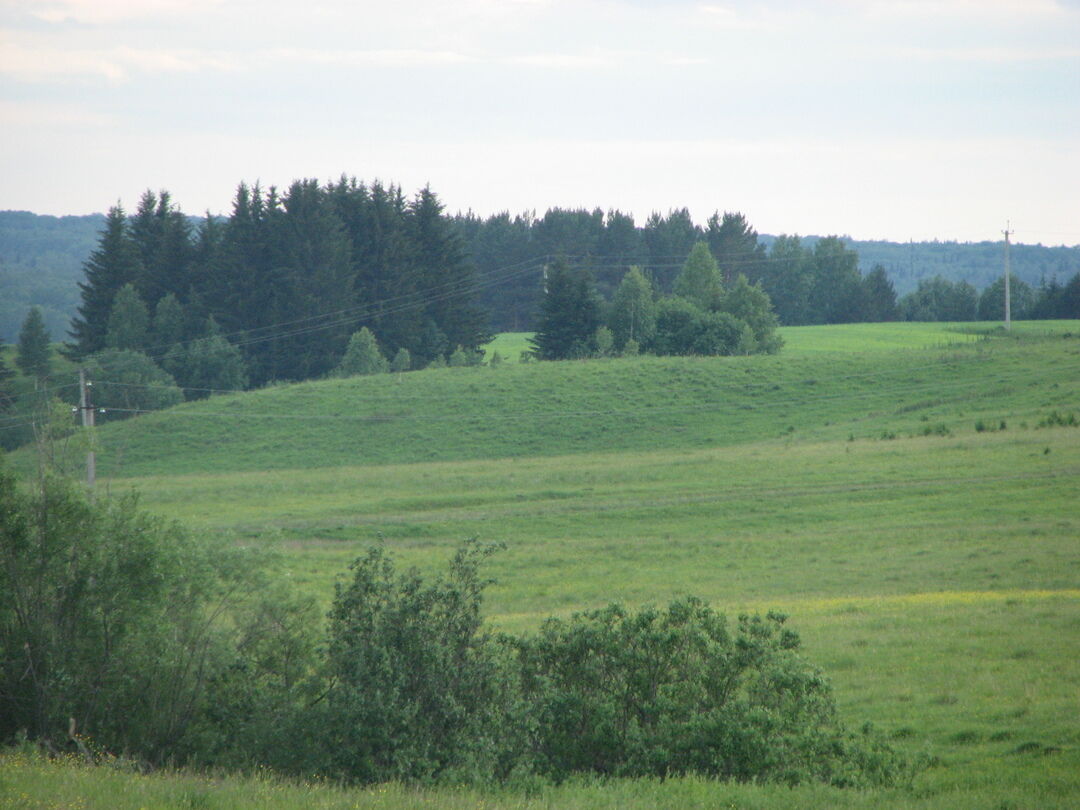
<point x="41" y="258"/>
<point x="977" y="263"/>
<point x="806" y="285"/>
<point x="121" y="634"/>
<point x="284" y="281"/>
<point x="811" y="281"/>
<point x="938" y="299"/>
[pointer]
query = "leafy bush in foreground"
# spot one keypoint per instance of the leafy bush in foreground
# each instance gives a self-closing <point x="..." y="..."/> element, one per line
<point x="672" y="692"/>
<point x="109" y="621"/>
<point x="161" y="650"/>
<point x="421" y="691"/>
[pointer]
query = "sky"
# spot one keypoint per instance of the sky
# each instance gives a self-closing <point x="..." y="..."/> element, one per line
<point x="880" y="119"/>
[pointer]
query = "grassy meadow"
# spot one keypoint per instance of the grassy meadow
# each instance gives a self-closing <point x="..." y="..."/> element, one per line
<point x="901" y="490"/>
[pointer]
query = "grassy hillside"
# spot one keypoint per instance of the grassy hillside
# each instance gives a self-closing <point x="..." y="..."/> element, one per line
<point x="636" y="404"/>
<point x="929" y="558"/>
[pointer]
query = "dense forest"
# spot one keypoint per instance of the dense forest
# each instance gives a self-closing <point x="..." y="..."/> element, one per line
<point x="41" y="259"/>
<point x="286" y="279"/>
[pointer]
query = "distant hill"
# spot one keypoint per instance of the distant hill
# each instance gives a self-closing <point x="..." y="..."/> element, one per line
<point x="978" y="263"/>
<point x="41" y="261"/>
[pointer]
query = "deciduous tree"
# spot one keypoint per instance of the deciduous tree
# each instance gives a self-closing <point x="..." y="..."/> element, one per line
<point x="34" y="347"/>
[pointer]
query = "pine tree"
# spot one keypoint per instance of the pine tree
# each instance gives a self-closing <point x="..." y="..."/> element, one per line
<point x="114" y="264"/>
<point x="569" y="314"/>
<point x="34" y="348"/>
<point x="129" y="322"/>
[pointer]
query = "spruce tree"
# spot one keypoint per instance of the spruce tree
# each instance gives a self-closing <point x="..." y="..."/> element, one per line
<point x="113" y="264"/>
<point x="569" y="314"/>
<point x="879" y="296"/>
<point x="312" y="277"/>
<point x="34" y="349"/>
<point x="446" y="274"/>
<point x="162" y="235"/>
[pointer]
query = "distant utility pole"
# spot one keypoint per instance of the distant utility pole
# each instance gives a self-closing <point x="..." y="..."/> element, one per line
<point x="1008" y="298"/>
<point x="87" y="409"/>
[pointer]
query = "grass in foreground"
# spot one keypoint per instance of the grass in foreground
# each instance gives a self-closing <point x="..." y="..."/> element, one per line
<point x="30" y="782"/>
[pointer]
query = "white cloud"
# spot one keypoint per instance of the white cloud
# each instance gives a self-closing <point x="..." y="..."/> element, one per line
<point x="989" y="54"/>
<point x="44" y="62"/>
<point x="976" y="10"/>
<point x="100" y="12"/>
<point x="35" y="115"/>
<point x="389" y="57"/>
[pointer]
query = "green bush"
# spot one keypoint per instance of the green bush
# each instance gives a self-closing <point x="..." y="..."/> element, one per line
<point x="110" y="620"/>
<point x="675" y="691"/>
<point x="127" y="382"/>
<point x="420" y="691"/>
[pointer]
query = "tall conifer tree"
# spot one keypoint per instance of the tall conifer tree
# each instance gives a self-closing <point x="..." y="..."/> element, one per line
<point x="113" y="264"/>
<point x="445" y="274"/>
<point x="569" y="314"/>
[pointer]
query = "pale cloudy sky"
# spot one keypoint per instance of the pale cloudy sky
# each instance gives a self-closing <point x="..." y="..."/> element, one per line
<point x="879" y="119"/>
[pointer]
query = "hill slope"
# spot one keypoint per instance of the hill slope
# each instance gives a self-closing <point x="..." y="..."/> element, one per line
<point x="644" y="403"/>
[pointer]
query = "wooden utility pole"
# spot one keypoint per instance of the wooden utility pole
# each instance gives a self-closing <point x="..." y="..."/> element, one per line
<point x="1008" y="298"/>
<point x="87" y="409"/>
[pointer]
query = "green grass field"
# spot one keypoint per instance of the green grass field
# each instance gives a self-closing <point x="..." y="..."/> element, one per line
<point x="932" y="568"/>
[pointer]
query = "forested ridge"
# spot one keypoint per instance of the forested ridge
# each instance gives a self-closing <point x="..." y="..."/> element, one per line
<point x="41" y="258"/>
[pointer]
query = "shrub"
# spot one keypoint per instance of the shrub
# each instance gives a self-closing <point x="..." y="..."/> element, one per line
<point x="362" y="356"/>
<point x="402" y="361"/>
<point x="675" y="691"/>
<point x="421" y="691"/>
<point x="110" y="620"/>
<point x="1056" y="419"/>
